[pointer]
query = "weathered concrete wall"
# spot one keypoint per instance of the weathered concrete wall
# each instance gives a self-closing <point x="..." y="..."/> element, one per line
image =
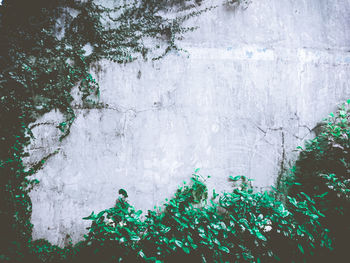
<point x="252" y="86"/>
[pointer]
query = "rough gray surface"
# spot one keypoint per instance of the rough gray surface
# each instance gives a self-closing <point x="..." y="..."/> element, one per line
<point x="252" y="86"/>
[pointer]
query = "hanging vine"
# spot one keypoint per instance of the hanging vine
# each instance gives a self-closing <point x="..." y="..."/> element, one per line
<point x="43" y="56"/>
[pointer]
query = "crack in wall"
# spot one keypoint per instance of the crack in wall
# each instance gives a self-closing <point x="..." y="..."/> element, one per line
<point x="282" y="168"/>
<point x="35" y="166"/>
<point x="41" y="124"/>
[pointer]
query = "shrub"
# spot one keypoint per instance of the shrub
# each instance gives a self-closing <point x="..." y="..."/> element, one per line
<point x="239" y="226"/>
<point x="322" y="171"/>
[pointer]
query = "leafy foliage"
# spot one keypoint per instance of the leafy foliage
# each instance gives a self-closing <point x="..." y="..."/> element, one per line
<point x="239" y="226"/>
<point x="322" y="171"/>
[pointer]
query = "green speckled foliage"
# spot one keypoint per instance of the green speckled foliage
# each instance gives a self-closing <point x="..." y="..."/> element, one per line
<point x="237" y="226"/>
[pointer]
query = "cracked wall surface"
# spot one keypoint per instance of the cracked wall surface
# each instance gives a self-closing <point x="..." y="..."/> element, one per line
<point x="253" y="84"/>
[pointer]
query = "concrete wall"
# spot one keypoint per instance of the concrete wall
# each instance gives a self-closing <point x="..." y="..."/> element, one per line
<point x="254" y="83"/>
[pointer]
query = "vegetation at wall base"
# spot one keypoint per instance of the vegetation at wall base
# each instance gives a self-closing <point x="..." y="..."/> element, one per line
<point x="322" y="171"/>
<point x="239" y="226"/>
<point x="298" y="224"/>
<point x="44" y="56"/>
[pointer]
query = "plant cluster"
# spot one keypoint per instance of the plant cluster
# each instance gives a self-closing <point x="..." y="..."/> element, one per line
<point x="322" y="171"/>
<point x="238" y="226"/>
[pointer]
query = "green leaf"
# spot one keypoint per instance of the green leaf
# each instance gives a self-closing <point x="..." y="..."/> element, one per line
<point x="225" y="249"/>
<point x="342" y="113"/>
<point x="301" y="248"/>
<point x="92" y="216"/>
<point x="186" y="250"/>
<point x="194" y="246"/>
<point x="236" y="178"/>
<point x="142" y="254"/>
<point x="135" y="238"/>
<point x="178" y="243"/>
<point x="260" y="236"/>
<point x="167" y="229"/>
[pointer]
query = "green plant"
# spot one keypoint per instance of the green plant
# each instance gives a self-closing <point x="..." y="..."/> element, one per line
<point x="322" y="171"/>
<point x="240" y="226"/>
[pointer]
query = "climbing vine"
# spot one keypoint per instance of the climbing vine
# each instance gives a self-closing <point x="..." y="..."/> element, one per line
<point x="47" y="48"/>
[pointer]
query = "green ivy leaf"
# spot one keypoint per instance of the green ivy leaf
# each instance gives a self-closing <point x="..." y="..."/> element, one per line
<point x="260" y="236"/>
<point x="225" y="249"/>
<point x="135" y="238"/>
<point x="179" y="243"/>
<point x="301" y="248"/>
<point x="236" y="178"/>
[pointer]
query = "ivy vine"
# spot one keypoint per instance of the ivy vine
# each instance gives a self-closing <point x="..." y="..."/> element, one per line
<point x="43" y="56"/>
